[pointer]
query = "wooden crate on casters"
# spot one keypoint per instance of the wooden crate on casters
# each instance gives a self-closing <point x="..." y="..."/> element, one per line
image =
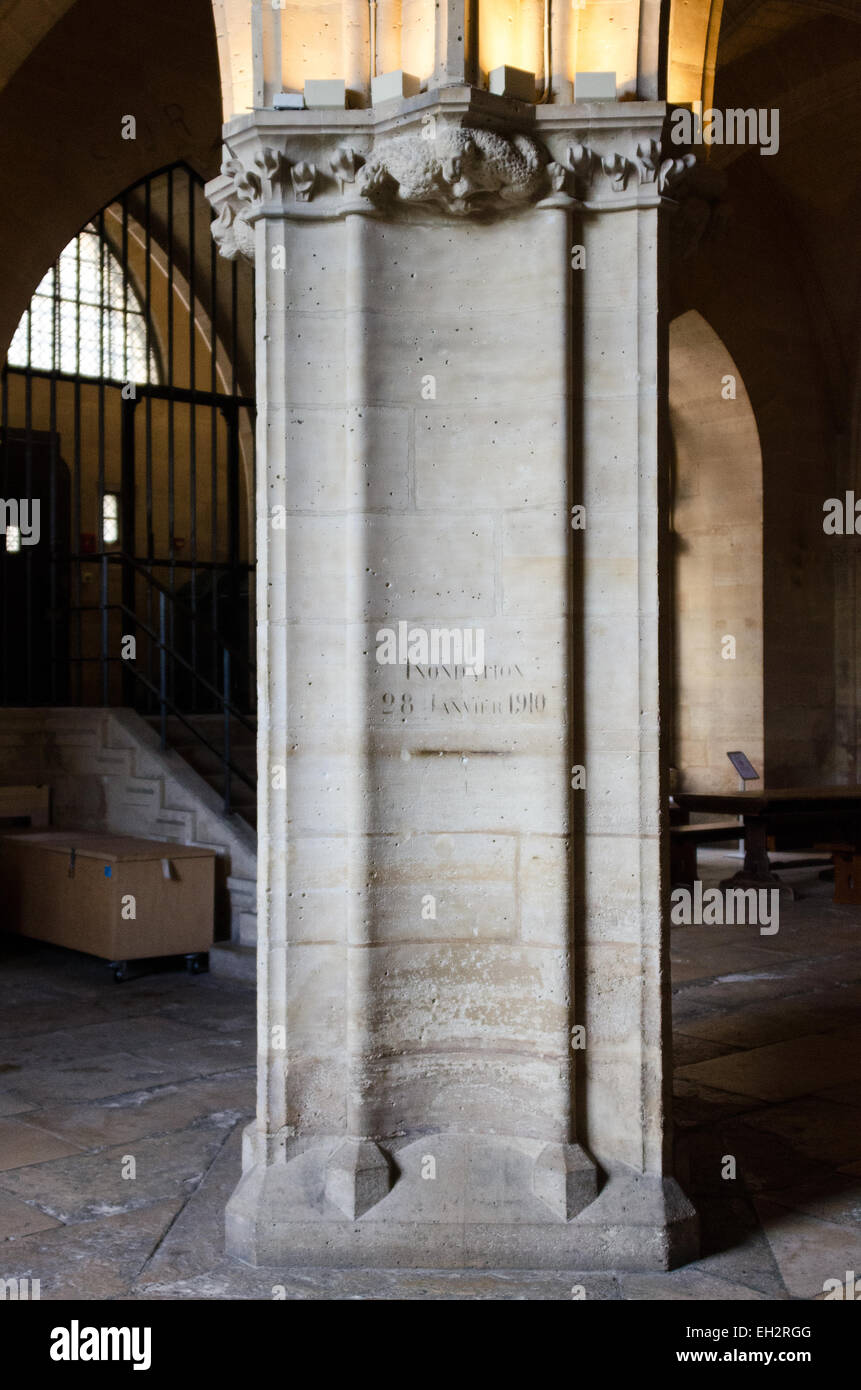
<point x="112" y="896"/>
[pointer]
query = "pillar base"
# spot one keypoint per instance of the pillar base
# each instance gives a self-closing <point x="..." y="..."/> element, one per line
<point x="463" y="1201"/>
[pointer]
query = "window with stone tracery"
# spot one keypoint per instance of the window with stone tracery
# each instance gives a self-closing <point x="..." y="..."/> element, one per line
<point x="86" y="319"/>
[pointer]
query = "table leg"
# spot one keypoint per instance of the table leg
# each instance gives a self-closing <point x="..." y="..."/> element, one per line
<point x="757" y="871"/>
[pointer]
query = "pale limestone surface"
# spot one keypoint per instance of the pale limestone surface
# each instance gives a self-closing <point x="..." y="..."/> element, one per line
<point x="429" y="367"/>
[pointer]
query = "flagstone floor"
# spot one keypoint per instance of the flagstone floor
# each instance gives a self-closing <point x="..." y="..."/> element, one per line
<point x="158" y="1073"/>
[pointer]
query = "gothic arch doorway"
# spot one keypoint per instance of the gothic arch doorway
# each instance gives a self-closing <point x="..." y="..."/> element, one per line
<point x="127" y="426"/>
<point x="717" y="552"/>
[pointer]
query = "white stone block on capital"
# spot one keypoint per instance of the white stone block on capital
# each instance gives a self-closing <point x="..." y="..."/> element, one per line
<point x="323" y="92"/>
<point x="392" y="86"/>
<point x="512" y="82"/>
<point x="595" y="86"/>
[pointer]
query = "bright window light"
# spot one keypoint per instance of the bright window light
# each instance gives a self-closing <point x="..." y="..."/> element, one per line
<point x="110" y="518"/>
<point x="85" y="318"/>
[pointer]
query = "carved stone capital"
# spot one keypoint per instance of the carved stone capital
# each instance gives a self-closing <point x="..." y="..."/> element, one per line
<point x="437" y="162"/>
<point x="459" y="171"/>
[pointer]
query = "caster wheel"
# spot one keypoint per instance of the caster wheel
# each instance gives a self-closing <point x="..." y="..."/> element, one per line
<point x="121" y="972"/>
<point x="197" y="965"/>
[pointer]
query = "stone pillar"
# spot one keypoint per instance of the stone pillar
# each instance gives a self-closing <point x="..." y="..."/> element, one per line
<point x="442" y="907"/>
<point x="454" y="43"/>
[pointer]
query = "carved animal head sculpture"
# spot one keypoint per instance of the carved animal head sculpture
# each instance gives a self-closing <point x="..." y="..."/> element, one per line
<point x="460" y="170"/>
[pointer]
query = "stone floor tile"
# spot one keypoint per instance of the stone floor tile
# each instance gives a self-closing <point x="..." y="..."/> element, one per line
<point x="195" y="1242"/>
<point x="850" y="1094"/>
<point x="700" y="962"/>
<point x="13" y="1104"/>
<point x="24" y="1018"/>
<point x="92" y="1259"/>
<point x="25" y="1143"/>
<point x="150" y="1034"/>
<point x="205" y="1055"/>
<point x="687" y="1049"/>
<point x="232" y="1280"/>
<point x="774" y="1020"/>
<point x="784" y="1070"/>
<point x="835" y="1197"/>
<point x="138" y="1114"/>
<point x="214" y="1012"/>
<point x="762" y="1161"/>
<point x="808" y="1251"/>
<point x="92" y="1078"/>
<point x="89" y="1186"/>
<point x="17" y="1218"/>
<point x="697" y="1104"/>
<point x="817" y="1128"/>
<point x="690" y="1285"/>
<point x="734" y="1247"/>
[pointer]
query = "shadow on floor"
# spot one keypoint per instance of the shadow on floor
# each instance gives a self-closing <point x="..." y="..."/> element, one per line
<point x="160" y="1071"/>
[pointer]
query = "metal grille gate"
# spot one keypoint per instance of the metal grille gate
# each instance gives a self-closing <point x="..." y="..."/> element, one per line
<point x="126" y="473"/>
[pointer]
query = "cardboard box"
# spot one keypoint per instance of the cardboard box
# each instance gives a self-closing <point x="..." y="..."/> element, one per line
<point x="72" y="888"/>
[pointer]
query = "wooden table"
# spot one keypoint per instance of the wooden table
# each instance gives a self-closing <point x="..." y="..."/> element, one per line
<point x="803" y="814"/>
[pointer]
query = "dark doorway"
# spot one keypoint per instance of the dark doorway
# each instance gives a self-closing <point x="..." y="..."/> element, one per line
<point x="34" y="588"/>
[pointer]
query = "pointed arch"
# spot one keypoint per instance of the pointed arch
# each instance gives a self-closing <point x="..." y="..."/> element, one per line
<point x="694" y="30"/>
<point x="87" y="318"/>
<point x="718" y="559"/>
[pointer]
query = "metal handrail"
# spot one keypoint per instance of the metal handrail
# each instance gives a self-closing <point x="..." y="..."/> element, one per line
<point x="166" y="650"/>
<point x="114" y="556"/>
<point x="175" y="655"/>
<point x="235" y="771"/>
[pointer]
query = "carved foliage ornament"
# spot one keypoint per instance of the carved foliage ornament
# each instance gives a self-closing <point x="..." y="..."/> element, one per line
<point x="462" y="171"/>
<point x="268" y="177"/>
<point x="648" y="168"/>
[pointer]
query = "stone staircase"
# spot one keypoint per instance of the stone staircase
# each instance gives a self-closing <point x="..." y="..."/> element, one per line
<point x="243" y="755"/>
<point x="107" y="771"/>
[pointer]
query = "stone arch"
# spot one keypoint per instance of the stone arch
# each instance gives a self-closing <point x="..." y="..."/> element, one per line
<point x="22" y="27"/>
<point x="233" y="34"/>
<point x="718" y="549"/>
<point x="83" y="158"/>
<point x="692" y="43"/>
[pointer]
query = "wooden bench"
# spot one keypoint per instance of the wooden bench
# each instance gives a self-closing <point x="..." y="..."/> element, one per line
<point x="685" y="839"/>
<point x="846" y="862"/>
